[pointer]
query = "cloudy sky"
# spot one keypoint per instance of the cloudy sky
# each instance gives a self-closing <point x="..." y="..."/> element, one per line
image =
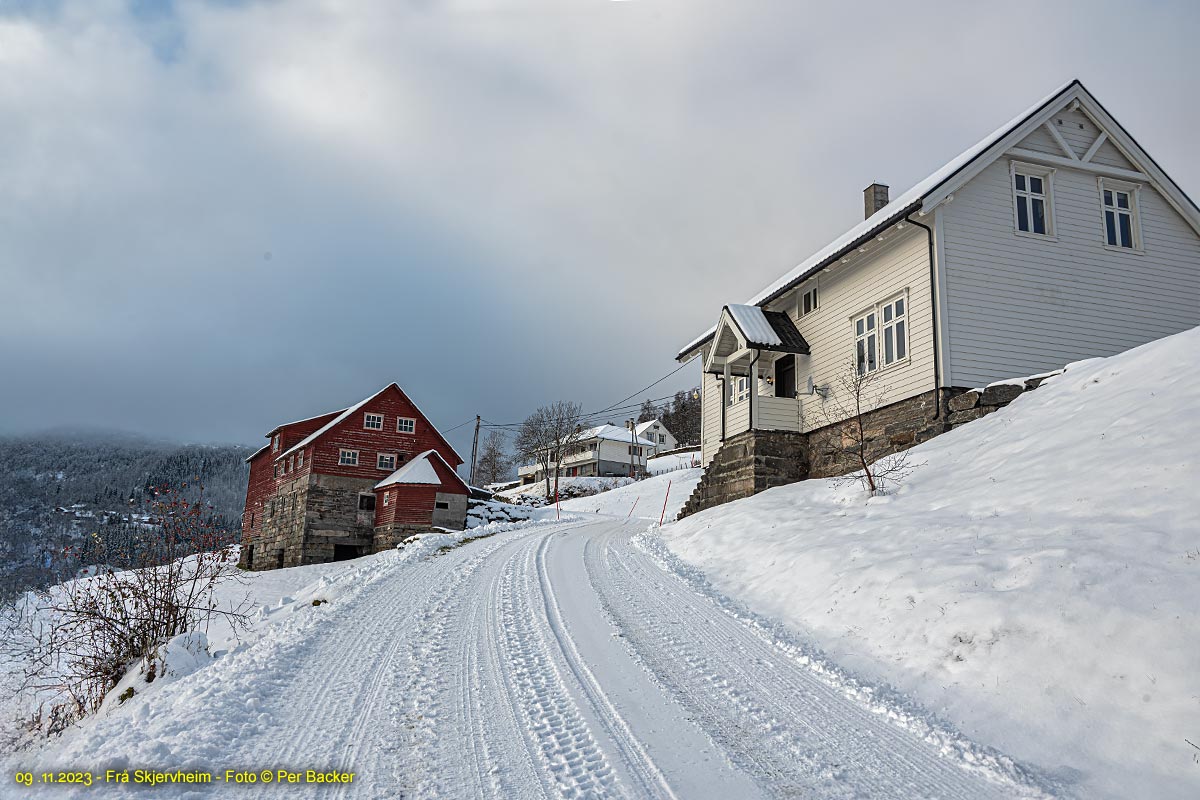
<point x="217" y="216"/>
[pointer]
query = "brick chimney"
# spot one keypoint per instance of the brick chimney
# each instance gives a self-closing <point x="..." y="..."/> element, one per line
<point x="875" y="197"/>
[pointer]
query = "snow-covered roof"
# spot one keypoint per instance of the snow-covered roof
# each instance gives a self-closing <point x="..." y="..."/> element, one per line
<point x="419" y="471"/>
<point x="306" y="419"/>
<point x="257" y="453"/>
<point x="642" y="427"/>
<point x="613" y="433"/>
<point x="753" y="324"/>
<point x="884" y="217"/>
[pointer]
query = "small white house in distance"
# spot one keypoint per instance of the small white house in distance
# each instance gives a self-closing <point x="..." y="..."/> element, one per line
<point x="1055" y="239"/>
<point x="604" y="451"/>
<point x="657" y="434"/>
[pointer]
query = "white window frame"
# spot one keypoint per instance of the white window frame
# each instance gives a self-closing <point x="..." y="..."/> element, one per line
<point x="1019" y="196"/>
<point x="888" y="330"/>
<point x="343" y="461"/>
<point x="814" y="301"/>
<point x="412" y="425"/>
<point x="379" y="457"/>
<point x="739" y="389"/>
<point x="300" y="459"/>
<point x="880" y="331"/>
<point x="387" y="499"/>
<point x="291" y="465"/>
<point x="1134" y="211"/>
<point x="368" y="417"/>
<point x="275" y="443"/>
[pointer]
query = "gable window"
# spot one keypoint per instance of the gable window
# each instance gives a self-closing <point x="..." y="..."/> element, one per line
<point x="866" y="340"/>
<point x="1033" y="201"/>
<point x="275" y="444"/>
<point x="366" y="502"/>
<point x="808" y="302"/>
<point x="406" y="425"/>
<point x="386" y="461"/>
<point x="373" y="422"/>
<point x="1121" y="225"/>
<point x="348" y="458"/>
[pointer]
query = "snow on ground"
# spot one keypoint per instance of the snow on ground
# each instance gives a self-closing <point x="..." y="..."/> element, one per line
<point x="567" y="487"/>
<point x="674" y="461"/>
<point x="1035" y="580"/>
<point x="643" y="498"/>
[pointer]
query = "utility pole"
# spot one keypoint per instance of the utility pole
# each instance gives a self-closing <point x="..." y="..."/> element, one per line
<point x="474" y="448"/>
<point x="632" y="441"/>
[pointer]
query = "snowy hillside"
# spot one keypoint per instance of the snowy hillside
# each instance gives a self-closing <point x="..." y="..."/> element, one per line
<point x="644" y="499"/>
<point x="567" y="487"/>
<point x="1035" y="581"/>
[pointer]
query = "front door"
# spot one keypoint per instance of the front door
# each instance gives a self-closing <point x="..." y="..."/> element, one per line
<point x="785" y="376"/>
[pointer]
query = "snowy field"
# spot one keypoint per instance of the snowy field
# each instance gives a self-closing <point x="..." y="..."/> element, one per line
<point x="1036" y="581"/>
<point x="668" y="463"/>
<point x="642" y="499"/>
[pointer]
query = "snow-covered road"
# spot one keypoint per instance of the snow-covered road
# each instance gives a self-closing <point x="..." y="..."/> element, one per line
<point x="561" y="660"/>
<point x="564" y="661"/>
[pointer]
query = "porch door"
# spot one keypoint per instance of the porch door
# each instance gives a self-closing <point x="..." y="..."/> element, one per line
<point x="785" y="376"/>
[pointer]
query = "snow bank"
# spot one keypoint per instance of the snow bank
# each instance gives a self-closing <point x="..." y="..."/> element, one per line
<point x="1034" y="581"/>
<point x="643" y="498"/>
<point x="567" y="487"/>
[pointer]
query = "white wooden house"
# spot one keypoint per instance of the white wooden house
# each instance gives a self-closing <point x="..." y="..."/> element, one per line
<point x="1054" y="239"/>
<point x="655" y="432"/>
<point x="604" y="451"/>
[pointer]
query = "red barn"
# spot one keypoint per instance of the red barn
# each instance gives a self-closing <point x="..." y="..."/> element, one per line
<point x="425" y="493"/>
<point x="311" y="495"/>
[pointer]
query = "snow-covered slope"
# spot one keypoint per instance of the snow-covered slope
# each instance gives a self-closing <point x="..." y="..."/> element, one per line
<point x="1036" y="580"/>
<point x="643" y="498"/>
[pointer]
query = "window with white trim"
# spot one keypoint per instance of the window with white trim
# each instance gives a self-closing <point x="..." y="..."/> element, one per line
<point x="808" y="302"/>
<point x="1033" y="199"/>
<point x="348" y="458"/>
<point x="1121" y="224"/>
<point x="300" y="459"/>
<point x="406" y="425"/>
<point x="866" y="342"/>
<point x="291" y="465"/>
<point x="739" y="389"/>
<point x="386" y="461"/>
<point x="387" y="498"/>
<point x="275" y="444"/>
<point x="634" y="451"/>
<point x="893" y="318"/>
<point x="373" y="422"/>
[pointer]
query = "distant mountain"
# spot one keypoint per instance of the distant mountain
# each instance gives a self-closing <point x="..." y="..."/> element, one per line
<point x="59" y="486"/>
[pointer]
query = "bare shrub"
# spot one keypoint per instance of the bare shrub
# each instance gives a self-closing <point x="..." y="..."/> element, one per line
<point x="75" y="641"/>
<point x="855" y="394"/>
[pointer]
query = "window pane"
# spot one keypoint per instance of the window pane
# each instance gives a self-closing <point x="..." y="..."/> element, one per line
<point x="870" y="322"/>
<point x="1110" y="225"/>
<point x="889" y="349"/>
<point x="861" y="357"/>
<point x="1020" y="181"/>
<point x="900" y="307"/>
<point x="807" y="302"/>
<point x="1022" y="215"/>
<point x="887" y="313"/>
<point x="1107" y="198"/>
<point x="870" y="352"/>
<point x="1039" y="215"/>
<point x="1122" y="200"/>
<point x="858" y="328"/>
<point x="1126" y="230"/>
<point x="900" y="339"/>
<point x="1035" y="185"/>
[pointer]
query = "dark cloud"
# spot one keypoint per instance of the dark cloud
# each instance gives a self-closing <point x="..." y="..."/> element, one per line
<point x="216" y="216"/>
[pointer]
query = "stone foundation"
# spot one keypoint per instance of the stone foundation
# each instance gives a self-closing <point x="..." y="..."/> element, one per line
<point x="753" y="461"/>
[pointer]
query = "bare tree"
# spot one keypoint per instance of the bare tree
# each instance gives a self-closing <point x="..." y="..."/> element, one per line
<point x="75" y="641"/>
<point x="547" y="433"/>
<point x="854" y="394"/>
<point x="494" y="462"/>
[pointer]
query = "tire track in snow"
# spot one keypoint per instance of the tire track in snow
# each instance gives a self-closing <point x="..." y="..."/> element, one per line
<point x="798" y="735"/>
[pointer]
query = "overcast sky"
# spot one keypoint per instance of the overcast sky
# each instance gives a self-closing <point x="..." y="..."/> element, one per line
<point x="219" y="216"/>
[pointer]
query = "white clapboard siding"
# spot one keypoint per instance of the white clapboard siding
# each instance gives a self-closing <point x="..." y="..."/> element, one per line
<point x="899" y="264"/>
<point x="1018" y="305"/>
<point x="710" y="418"/>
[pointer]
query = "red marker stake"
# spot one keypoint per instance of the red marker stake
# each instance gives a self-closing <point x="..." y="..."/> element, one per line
<point x="663" y="515"/>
